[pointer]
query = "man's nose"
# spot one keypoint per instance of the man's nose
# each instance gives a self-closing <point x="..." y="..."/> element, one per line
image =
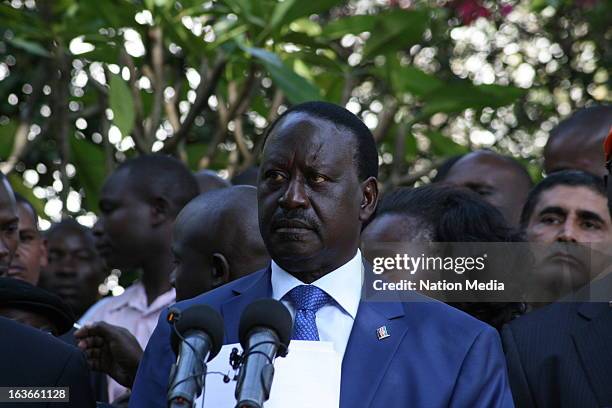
<point x="295" y="195"/>
<point x="4" y="249"/>
<point x="568" y="232"/>
<point x="173" y="277"/>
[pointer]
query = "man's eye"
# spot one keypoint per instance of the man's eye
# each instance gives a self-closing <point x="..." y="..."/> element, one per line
<point x="275" y="176"/>
<point x="483" y="192"/>
<point x="318" y="179"/>
<point x="588" y="225"/>
<point x="550" y="220"/>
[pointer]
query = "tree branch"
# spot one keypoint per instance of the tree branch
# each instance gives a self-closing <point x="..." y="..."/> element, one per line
<point x="411" y="178"/>
<point x="157" y="60"/>
<point x="138" y="131"/>
<point x="236" y="109"/>
<point x="20" y="144"/>
<point x="385" y="120"/>
<point x="204" y="92"/>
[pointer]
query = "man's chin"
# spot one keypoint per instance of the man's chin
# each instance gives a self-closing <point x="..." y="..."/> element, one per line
<point x="297" y="262"/>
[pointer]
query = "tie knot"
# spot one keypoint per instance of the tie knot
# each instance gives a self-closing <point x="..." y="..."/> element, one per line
<point x="308" y="297"/>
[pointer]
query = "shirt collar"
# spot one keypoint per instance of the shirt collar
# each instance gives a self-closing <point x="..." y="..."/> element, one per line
<point x="342" y="284"/>
<point x="135" y="297"/>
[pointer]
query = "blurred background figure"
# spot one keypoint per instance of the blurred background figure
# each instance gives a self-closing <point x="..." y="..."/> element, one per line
<point x="139" y="203"/>
<point x="31" y="253"/>
<point x="500" y="180"/>
<point x="217" y="240"/>
<point x="9" y="225"/>
<point x="438" y="213"/>
<point x="568" y="210"/>
<point x="575" y="144"/>
<point x="75" y="270"/>
<point x="209" y="180"/>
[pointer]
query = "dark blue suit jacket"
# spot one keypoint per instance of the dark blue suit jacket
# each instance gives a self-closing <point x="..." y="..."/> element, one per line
<point x="32" y="358"/>
<point x="561" y="355"/>
<point x="436" y="356"/>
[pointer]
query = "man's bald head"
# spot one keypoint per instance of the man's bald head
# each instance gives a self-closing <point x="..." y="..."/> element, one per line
<point x="576" y="143"/>
<point x="208" y="180"/>
<point x="216" y="240"/>
<point x="9" y="222"/>
<point x="499" y="180"/>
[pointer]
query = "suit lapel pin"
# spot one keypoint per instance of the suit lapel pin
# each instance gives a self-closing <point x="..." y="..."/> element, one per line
<point x="382" y="333"/>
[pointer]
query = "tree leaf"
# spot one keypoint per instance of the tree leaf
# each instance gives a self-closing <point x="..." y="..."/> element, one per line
<point x="349" y="25"/>
<point x="7" y="138"/>
<point x="89" y="161"/>
<point x="296" y="88"/>
<point x="29" y="46"/>
<point x="122" y="104"/>
<point x="413" y="80"/>
<point x="461" y="95"/>
<point x="290" y="10"/>
<point x="444" y="146"/>
<point x="395" y="30"/>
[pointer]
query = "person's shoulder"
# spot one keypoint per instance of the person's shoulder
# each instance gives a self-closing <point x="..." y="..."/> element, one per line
<point x="216" y="297"/>
<point x="438" y="315"/>
<point x="32" y="345"/>
<point x="548" y="320"/>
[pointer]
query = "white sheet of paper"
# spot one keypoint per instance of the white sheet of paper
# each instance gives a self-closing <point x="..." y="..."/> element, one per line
<point x="309" y="377"/>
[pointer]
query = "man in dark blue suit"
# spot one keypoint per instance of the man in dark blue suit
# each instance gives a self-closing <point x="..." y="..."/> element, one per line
<point x="317" y="187"/>
<point x="561" y="355"/>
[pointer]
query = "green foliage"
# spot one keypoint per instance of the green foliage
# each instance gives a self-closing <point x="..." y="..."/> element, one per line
<point x="120" y="100"/>
<point x="89" y="160"/>
<point x="210" y="76"/>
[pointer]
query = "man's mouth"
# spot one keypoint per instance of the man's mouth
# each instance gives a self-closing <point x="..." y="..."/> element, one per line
<point x="291" y="226"/>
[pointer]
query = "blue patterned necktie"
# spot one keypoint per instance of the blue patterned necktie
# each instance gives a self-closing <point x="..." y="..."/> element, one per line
<point x="307" y="300"/>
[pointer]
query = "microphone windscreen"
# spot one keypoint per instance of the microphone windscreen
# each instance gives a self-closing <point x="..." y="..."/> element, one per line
<point x="200" y="318"/>
<point x="269" y="313"/>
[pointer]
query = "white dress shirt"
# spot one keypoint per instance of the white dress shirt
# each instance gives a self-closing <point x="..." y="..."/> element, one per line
<point x="334" y="320"/>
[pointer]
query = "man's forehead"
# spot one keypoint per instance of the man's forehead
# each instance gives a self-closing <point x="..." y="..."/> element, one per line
<point x="26" y="216"/>
<point x="7" y="197"/>
<point x="297" y="128"/>
<point x="573" y="198"/>
<point x="117" y="184"/>
<point x="70" y="239"/>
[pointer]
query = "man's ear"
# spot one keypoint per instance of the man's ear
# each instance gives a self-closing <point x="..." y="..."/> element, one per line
<point x="369" y="199"/>
<point x="220" y="270"/>
<point x="160" y="211"/>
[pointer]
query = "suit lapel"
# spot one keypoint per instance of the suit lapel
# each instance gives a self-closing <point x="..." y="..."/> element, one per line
<point x="367" y="357"/>
<point x="245" y="294"/>
<point x="594" y="345"/>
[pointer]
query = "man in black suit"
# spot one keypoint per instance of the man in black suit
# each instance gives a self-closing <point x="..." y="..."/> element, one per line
<point x="37" y="359"/>
<point x="561" y="355"/>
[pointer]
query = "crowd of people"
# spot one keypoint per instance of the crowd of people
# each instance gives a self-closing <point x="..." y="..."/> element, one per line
<point x="294" y="228"/>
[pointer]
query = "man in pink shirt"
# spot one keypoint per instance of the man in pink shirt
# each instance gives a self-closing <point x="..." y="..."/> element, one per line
<point x="138" y="205"/>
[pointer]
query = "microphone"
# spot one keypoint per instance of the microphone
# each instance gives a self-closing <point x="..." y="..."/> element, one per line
<point x="264" y="333"/>
<point x="196" y="338"/>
